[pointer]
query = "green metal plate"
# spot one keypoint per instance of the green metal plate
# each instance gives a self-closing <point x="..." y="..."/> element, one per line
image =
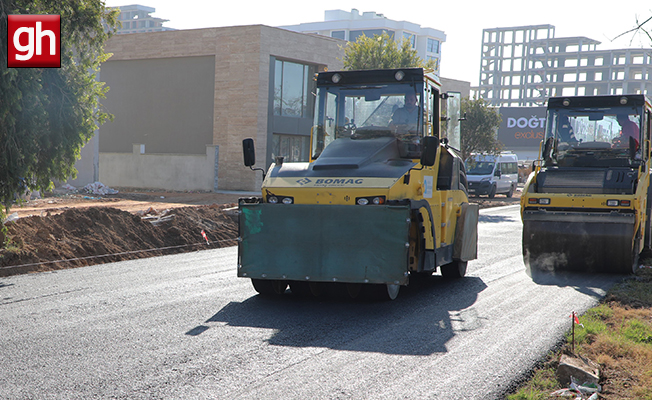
<point x="324" y="243"/>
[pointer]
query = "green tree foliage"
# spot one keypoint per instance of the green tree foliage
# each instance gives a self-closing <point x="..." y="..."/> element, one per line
<point x="479" y="129"/>
<point x="48" y="114"/>
<point x="381" y="52"/>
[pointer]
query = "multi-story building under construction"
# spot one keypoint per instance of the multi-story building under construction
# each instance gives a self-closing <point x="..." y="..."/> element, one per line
<point x="523" y="66"/>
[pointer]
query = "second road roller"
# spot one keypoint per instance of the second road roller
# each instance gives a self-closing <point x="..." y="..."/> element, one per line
<point x="585" y="207"/>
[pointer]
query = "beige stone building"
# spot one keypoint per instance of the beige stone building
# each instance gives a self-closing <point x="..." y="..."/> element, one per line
<point x="184" y="100"/>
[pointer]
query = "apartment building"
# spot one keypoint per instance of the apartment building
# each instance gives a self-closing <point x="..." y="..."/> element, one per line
<point x="349" y="26"/>
<point x="136" y="18"/>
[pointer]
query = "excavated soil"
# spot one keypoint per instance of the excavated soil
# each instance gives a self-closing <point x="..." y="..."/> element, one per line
<point x="74" y="230"/>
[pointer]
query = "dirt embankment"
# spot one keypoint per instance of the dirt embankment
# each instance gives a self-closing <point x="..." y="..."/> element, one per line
<point x="73" y="230"/>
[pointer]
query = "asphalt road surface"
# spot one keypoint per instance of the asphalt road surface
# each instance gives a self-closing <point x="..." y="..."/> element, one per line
<point x="185" y="327"/>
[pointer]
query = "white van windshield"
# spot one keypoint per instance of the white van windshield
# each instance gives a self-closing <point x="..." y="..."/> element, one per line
<point x="474" y="167"/>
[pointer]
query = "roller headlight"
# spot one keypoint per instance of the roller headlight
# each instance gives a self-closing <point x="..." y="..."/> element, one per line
<point x="374" y="200"/>
<point x="619" y="203"/>
<point x="542" y="201"/>
<point x="280" y="199"/>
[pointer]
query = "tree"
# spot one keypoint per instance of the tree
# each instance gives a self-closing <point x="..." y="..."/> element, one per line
<point x="48" y="114"/>
<point x="478" y="131"/>
<point x="638" y="28"/>
<point x="381" y="52"/>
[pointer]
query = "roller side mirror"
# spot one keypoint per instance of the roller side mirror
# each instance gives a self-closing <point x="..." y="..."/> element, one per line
<point x="248" y="152"/>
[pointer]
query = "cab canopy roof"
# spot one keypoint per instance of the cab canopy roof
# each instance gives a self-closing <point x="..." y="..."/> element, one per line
<point x="374" y="76"/>
<point x="597" y="101"/>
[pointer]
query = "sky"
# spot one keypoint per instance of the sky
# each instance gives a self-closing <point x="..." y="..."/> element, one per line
<point x="461" y="21"/>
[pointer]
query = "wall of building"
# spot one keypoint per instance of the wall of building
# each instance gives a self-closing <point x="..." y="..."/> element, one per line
<point x="159" y="171"/>
<point x="169" y="107"/>
<point x="454" y="85"/>
<point x="233" y="101"/>
<point x="349" y="25"/>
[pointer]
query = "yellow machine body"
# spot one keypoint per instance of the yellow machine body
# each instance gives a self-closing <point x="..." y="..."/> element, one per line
<point x="376" y="203"/>
<point x="585" y="205"/>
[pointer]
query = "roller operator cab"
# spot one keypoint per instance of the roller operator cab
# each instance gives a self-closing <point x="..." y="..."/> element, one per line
<point x="382" y="199"/>
<point x="585" y="205"/>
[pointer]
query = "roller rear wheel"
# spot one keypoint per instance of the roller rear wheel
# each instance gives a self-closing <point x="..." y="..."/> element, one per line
<point x="454" y="270"/>
<point x="307" y="289"/>
<point x="380" y="291"/>
<point x="353" y="290"/>
<point x="269" y="287"/>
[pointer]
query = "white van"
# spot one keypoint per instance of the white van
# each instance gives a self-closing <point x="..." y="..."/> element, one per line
<point x="490" y="175"/>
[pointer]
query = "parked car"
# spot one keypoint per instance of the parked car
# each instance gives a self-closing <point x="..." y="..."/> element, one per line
<point x="492" y="174"/>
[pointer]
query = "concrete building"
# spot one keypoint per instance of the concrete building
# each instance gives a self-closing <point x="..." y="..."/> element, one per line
<point x="523" y="66"/>
<point x="137" y="19"/>
<point x="454" y="85"/>
<point x="349" y="25"/>
<point x="184" y="100"/>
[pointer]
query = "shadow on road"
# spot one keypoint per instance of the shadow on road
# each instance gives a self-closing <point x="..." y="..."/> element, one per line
<point x="495" y="218"/>
<point x="586" y="283"/>
<point x="417" y="323"/>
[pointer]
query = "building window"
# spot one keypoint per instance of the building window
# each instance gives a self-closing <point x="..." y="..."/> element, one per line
<point x="338" y="35"/>
<point x="292" y="88"/>
<point x="435" y="61"/>
<point x="433" y="46"/>
<point x="294" y="148"/>
<point x="410" y="38"/>
<point x="353" y="35"/>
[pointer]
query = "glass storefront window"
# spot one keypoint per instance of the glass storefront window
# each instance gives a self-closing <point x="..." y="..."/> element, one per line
<point x="293" y="147"/>
<point x="292" y="86"/>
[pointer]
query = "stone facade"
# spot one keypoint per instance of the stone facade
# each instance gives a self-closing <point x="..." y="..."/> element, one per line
<point x="155" y="109"/>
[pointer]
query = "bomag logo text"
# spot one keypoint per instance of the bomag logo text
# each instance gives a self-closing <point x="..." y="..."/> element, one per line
<point x="339" y="182"/>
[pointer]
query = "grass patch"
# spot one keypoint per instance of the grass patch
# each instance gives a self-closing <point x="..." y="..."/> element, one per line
<point x="542" y="383"/>
<point x="617" y="334"/>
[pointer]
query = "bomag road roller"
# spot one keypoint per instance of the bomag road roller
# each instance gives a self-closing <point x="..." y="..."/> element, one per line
<point x="585" y="205"/>
<point x="381" y="200"/>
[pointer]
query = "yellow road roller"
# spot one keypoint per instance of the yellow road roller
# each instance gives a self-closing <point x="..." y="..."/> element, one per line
<point x="381" y="200"/>
<point x="585" y="205"/>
